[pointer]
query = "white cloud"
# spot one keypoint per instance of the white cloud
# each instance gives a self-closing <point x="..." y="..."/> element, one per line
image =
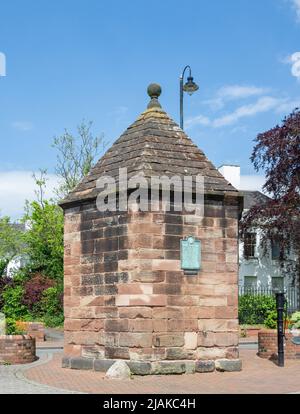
<point x="263" y="104"/>
<point x="287" y="106"/>
<point x="239" y="91"/>
<point x="294" y="61"/>
<point x="197" y="120"/>
<point x="252" y="182"/>
<point x="22" y="125"/>
<point x="282" y="106"/>
<point x="233" y="92"/>
<point x="296" y="5"/>
<point x="16" y="187"/>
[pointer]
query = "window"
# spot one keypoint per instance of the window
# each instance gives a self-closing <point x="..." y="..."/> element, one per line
<point x="250" y="281"/>
<point x="275" y="250"/>
<point x="249" y="245"/>
<point x="277" y="283"/>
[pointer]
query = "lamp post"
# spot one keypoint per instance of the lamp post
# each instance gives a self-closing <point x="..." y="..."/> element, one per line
<point x="190" y="87"/>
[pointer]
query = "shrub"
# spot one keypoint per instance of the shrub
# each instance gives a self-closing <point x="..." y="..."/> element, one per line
<point x="13" y="328"/>
<point x="53" y="321"/>
<point x="254" y="310"/>
<point x="271" y="320"/>
<point x="13" y="306"/>
<point x="4" y="281"/>
<point x="295" y="320"/>
<point x="33" y="292"/>
<point x="52" y="307"/>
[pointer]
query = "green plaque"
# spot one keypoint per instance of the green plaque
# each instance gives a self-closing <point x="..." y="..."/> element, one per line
<point x="190" y="255"/>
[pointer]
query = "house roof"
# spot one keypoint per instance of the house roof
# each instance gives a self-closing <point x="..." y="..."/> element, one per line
<point x="154" y="145"/>
<point x="252" y="198"/>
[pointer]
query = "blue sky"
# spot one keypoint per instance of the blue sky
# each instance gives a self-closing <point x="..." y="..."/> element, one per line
<point x="72" y="59"/>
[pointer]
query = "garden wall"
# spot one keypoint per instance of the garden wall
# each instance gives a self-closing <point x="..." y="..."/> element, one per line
<point x="17" y="349"/>
<point x="267" y="345"/>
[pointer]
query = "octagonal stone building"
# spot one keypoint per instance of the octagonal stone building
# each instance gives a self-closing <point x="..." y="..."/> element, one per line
<point x="127" y="295"/>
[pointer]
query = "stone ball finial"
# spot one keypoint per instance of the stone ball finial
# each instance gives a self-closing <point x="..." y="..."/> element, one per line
<point x="154" y="91"/>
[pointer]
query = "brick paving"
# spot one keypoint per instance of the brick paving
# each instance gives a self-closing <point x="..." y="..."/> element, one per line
<point x="13" y="381"/>
<point x="258" y="376"/>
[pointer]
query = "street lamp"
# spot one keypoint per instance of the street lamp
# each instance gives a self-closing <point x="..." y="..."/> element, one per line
<point x="190" y="87"/>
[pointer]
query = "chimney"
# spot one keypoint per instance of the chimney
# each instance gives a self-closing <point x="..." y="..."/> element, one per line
<point x="231" y="173"/>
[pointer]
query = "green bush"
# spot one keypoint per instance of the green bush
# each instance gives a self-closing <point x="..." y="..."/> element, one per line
<point x="11" y="327"/>
<point x="254" y="310"/>
<point x="295" y="320"/>
<point x="53" y="321"/>
<point x="13" y="306"/>
<point x="51" y="306"/>
<point x="271" y="320"/>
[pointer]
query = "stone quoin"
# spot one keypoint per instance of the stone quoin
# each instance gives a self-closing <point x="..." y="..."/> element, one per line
<point x="126" y="296"/>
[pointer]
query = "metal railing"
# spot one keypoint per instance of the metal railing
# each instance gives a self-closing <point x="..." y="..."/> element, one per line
<point x="291" y="294"/>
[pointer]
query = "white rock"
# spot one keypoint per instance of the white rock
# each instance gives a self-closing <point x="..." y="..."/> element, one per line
<point x="119" y="370"/>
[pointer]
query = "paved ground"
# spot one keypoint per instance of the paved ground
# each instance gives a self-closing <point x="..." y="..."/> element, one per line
<point x="13" y="381"/>
<point x="258" y="376"/>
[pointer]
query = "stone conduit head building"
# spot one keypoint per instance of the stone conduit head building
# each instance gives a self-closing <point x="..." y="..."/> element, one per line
<point x="126" y="295"/>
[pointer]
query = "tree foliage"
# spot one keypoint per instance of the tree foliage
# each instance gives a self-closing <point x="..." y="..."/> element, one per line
<point x="277" y="153"/>
<point x="44" y="237"/>
<point x="11" y="239"/>
<point x="76" y="156"/>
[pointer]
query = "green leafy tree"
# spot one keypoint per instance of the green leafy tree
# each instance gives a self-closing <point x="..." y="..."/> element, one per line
<point x="76" y="155"/>
<point x="44" y="239"/>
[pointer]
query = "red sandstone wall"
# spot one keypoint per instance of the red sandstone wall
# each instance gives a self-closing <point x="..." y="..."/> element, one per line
<point x="126" y="296"/>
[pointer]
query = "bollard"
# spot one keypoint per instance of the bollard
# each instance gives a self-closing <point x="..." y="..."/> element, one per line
<point x="280" y="303"/>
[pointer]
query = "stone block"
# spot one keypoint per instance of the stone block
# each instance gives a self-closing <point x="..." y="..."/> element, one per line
<point x="168" y="340"/>
<point x="116" y="353"/>
<point x="190" y="340"/>
<point x="167" y="312"/>
<point x="228" y="365"/>
<point x="133" y="313"/>
<point x="168" y="367"/>
<point x="205" y="366"/>
<point x="81" y="363"/>
<point x="139" y="367"/>
<point x="180" y="354"/>
<point x="65" y="362"/>
<point x="135" y="340"/>
<point x="140" y="325"/>
<point x="115" y="325"/>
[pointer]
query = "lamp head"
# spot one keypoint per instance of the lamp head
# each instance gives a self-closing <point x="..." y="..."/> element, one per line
<point x="190" y="86"/>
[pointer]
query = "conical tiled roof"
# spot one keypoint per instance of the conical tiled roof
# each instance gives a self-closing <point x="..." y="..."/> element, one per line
<point x="154" y="145"/>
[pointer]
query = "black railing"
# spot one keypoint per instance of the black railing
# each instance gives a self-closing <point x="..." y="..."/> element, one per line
<point x="291" y="294"/>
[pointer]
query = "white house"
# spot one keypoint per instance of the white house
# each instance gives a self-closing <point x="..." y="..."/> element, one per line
<point x="259" y="269"/>
<point x="18" y="261"/>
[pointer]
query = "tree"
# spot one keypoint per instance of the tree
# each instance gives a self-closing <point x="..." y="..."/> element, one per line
<point x="277" y="153"/>
<point x="44" y="238"/>
<point x="11" y="242"/>
<point x="76" y="156"/>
